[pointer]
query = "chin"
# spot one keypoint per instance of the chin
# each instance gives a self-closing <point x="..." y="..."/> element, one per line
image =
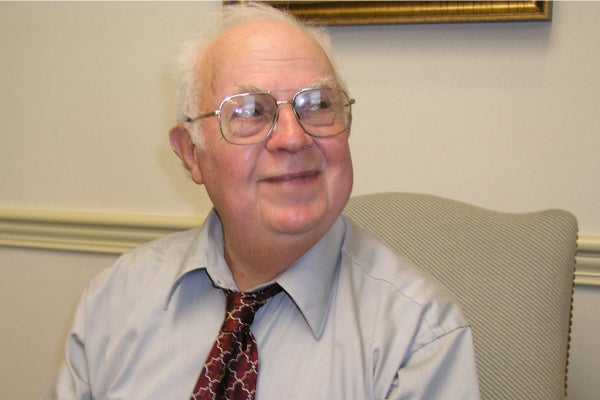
<point x="300" y="223"/>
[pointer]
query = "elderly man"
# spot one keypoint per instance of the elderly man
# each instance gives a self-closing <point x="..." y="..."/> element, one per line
<point x="334" y="314"/>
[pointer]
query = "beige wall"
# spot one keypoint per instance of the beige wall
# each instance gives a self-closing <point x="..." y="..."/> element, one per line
<point x="500" y="115"/>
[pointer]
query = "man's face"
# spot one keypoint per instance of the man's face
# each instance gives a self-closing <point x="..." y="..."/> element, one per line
<point x="291" y="184"/>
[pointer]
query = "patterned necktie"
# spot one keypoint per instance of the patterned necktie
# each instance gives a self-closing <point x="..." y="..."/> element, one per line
<point x="231" y="369"/>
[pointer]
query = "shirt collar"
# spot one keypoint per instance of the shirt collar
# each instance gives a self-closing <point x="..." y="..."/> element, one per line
<point x="308" y="282"/>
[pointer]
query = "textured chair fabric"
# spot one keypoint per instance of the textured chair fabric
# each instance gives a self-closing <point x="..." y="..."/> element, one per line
<point x="513" y="274"/>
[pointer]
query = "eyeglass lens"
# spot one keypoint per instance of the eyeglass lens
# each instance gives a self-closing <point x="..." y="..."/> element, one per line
<point x="250" y="118"/>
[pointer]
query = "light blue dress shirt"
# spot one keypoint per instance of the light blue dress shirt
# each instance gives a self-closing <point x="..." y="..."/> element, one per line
<point x="355" y="321"/>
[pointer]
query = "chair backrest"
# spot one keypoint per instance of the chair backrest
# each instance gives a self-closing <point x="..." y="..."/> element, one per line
<point x="513" y="274"/>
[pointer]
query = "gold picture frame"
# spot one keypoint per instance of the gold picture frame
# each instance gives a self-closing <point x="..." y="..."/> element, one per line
<point x="412" y="12"/>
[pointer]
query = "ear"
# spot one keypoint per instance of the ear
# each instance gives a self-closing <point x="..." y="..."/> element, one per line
<point x="183" y="146"/>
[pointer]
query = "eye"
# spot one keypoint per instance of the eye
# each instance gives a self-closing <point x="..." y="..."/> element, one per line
<point x="315" y="100"/>
<point x="247" y="110"/>
<point x="322" y="104"/>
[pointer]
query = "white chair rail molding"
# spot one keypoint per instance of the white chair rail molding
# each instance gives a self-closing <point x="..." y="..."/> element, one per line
<point x="116" y="233"/>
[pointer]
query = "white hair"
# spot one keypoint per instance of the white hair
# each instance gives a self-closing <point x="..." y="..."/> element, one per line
<point x="191" y="52"/>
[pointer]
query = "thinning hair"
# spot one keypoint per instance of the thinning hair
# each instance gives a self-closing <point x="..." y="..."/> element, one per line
<point x="191" y="53"/>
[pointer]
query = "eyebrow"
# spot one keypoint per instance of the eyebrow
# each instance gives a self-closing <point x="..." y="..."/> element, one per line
<point x="329" y="81"/>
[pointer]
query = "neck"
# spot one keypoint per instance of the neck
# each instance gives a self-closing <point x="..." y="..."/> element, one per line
<point x="262" y="261"/>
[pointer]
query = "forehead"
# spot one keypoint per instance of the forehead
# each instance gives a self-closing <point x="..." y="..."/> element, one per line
<point x="264" y="54"/>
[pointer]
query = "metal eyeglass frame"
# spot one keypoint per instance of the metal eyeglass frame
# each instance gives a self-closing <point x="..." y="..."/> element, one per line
<point x="278" y="103"/>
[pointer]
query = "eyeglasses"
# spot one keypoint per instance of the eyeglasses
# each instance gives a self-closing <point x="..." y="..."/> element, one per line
<point x="250" y="118"/>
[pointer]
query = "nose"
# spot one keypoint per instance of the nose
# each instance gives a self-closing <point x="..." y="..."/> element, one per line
<point x="288" y="134"/>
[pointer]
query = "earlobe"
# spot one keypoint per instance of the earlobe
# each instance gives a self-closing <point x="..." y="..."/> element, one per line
<point x="183" y="146"/>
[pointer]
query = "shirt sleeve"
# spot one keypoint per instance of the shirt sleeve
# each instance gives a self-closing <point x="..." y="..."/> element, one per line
<point x="441" y="370"/>
<point x="71" y="381"/>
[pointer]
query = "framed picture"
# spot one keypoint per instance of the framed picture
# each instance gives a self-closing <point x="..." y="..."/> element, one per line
<point x="407" y="12"/>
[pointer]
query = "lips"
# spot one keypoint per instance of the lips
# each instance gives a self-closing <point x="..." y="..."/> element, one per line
<point x="292" y="177"/>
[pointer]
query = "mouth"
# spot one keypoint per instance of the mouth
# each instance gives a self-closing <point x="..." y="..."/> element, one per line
<point x="298" y="177"/>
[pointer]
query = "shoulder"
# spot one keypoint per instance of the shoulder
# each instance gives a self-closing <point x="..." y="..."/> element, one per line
<point x="399" y="283"/>
<point x="151" y="266"/>
<point x="150" y="256"/>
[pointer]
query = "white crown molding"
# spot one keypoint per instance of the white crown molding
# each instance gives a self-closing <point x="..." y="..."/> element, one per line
<point x="117" y="233"/>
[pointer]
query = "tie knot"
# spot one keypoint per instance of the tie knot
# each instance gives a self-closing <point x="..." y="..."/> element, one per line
<point x="241" y="307"/>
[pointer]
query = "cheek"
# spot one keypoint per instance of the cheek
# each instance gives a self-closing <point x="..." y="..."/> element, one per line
<point x="338" y="155"/>
<point x="229" y="167"/>
<point x="340" y="170"/>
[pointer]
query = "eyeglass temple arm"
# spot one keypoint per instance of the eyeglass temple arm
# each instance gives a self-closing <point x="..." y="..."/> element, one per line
<point x="201" y="116"/>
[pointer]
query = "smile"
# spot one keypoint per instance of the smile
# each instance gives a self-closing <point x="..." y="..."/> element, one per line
<point x="293" y="178"/>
